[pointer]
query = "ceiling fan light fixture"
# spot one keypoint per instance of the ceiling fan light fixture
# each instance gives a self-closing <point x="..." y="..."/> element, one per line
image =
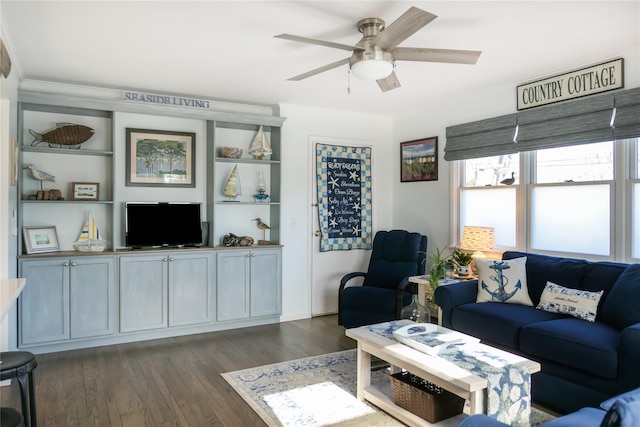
<point x="371" y="65"/>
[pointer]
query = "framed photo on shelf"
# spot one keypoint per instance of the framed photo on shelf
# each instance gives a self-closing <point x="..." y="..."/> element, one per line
<point x="158" y="158"/>
<point x="86" y="191"/>
<point x="419" y="160"/>
<point x="40" y="239"/>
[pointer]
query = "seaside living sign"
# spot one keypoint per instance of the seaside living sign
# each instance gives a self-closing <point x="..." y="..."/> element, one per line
<point x="575" y="84"/>
<point x="178" y="101"/>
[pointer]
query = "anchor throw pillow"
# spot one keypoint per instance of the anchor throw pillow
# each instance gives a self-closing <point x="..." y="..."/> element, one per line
<point x="503" y="281"/>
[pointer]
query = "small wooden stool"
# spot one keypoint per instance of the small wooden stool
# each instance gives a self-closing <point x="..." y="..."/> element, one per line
<point x="20" y="365"/>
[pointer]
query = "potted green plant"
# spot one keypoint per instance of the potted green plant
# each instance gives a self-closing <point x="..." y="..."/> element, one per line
<point x="437" y="272"/>
<point x="462" y="261"/>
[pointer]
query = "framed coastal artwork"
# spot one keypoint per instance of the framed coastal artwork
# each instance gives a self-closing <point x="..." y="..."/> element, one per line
<point x="419" y="160"/>
<point x="40" y="239"/>
<point x="159" y="158"/>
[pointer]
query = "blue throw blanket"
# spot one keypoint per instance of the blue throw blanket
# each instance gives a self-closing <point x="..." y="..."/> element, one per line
<point x="509" y="385"/>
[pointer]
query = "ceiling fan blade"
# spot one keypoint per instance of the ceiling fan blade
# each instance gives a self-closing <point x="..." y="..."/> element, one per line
<point x="452" y="56"/>
<point x="389" y="83"/>
<point x="320" y="70"/>
<point x="403" y="27"/>
<point x="318" y="42"/>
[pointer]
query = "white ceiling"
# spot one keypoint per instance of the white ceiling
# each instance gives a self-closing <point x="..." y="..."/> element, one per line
<point x="226" y="49"/>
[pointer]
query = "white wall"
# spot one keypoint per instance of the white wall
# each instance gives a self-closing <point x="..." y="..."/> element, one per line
<point x="8" y="130"/>
<point x="303" y="122"/>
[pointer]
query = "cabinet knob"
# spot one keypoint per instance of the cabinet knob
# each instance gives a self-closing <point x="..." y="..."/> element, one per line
<point x="252" y="254"/>
<point x="164" y="260"/>
<point x="73" y="264"/>
<point x="66" y="264"/>
<point x="247" y="254"/>
<point x="171" y="259"/>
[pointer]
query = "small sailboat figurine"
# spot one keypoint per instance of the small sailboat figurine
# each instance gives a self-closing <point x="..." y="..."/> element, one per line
<point x="90" y="239"/>
<point x="232" y="187"/>
<point x="260" y="146"/>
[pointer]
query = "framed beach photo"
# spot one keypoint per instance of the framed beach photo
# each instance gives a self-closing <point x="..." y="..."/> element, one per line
<point x="158" y="158"/>
<point x="419" y="160"/>
<point x="85" y="191"/>
<point x="40" y="239"/>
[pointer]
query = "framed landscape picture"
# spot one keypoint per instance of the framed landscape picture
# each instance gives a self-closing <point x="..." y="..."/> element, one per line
<point x="40" y="239"/>
<point x="419" y="160"/>
<point x="157" y="158"/>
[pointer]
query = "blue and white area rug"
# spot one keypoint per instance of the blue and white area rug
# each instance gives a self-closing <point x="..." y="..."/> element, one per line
<point x="317" y="391"/>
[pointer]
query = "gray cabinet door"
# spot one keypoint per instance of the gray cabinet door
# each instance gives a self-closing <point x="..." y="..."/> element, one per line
<point x="232" y="285"/>
<point x="190" y="284"/>
<point x="44" y="302"/>
<point x="143" y="292"/>
<point x="266" y="283"/>
<point x="92" y="290"/>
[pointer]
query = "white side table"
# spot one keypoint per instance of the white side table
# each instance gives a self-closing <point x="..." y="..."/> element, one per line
<point x="423" y="281"/>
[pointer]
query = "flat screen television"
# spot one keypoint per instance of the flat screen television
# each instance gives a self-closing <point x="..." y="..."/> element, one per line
<point x="157" y="224"/>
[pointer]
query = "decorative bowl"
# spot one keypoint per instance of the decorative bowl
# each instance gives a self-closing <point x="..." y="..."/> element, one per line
<point x="231" y="152"/>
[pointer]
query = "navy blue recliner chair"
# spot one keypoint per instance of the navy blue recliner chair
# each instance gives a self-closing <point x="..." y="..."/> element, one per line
<point x="396" y="255"/>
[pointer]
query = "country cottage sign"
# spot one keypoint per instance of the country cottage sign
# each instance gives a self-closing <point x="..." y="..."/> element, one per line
<point x="575" y="84"/>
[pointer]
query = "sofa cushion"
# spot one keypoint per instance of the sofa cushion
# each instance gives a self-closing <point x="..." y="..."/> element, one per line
<point x="591" y="347"/>
<point x="574" y="302"/>
<point x="629" y="395"/>
<point x="585" y="417"/>
<point x="622" y="306"/>
<point x="601" y="276"/>
<point x="496" y="322"/>
<point x="503" y="281"/>
<point x="543" y="268"/>
<point x="625" y="412"/>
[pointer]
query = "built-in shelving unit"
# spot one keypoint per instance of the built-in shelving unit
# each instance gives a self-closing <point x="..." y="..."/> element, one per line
<point x="144" y="294"/>
<point x="238" y="216"/>
<point x="91" y="161"/>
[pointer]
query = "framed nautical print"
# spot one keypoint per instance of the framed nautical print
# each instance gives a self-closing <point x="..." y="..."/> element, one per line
<point x="157" y="158"/>
<point x="419" y="160"/>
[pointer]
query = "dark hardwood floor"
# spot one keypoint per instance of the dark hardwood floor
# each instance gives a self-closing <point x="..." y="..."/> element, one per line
<point x="172" y="381"/>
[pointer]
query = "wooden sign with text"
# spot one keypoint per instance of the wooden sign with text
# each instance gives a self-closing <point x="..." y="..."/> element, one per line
<point x="575" y="84"/>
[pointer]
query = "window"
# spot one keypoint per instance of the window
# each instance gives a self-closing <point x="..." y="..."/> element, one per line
<point x="571" y="217"/>
<point x="484" y="201"/>
<point x="489" y="170"/>
<point x="635" y="201"/>
<point x="567" y="203"/>
<point x="577" y="163"/>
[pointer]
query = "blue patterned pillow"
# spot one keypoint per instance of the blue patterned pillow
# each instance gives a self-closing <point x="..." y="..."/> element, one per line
<point x="503" y="281"/>
<point x="574" y="302"/>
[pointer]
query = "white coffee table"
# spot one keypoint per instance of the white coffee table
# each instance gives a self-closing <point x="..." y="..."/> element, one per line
<point x="431" y="368"/>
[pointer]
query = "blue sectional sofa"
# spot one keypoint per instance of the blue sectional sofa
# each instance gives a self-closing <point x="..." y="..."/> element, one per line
<point x="583" y="362"/>
<point x="619" y="411"/>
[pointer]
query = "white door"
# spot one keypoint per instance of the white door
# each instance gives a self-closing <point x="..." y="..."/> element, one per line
<point x="327" y="268"/>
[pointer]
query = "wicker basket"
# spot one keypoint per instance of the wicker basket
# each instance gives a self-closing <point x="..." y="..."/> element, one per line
<point x="423" y="398"/>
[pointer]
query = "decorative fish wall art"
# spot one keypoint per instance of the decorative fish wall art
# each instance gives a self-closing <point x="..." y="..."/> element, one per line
<point x="65" y="134"/>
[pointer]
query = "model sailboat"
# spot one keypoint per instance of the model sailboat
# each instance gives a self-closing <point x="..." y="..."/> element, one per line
<point x="232" y="187"/>
<point x="260" y="146"/>
<point x="89" y="239"/>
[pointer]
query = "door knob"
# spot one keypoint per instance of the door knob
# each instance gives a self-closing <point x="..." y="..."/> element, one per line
<point x="317" y="233"/>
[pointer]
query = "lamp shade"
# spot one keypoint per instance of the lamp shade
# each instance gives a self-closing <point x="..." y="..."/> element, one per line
<point x="478" y="239"/>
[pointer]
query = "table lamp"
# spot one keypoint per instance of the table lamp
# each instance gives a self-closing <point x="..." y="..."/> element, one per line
<point x="478" y="240"/>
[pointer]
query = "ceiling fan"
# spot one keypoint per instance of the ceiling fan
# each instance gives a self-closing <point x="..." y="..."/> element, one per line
<point x="374" y="56"/>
